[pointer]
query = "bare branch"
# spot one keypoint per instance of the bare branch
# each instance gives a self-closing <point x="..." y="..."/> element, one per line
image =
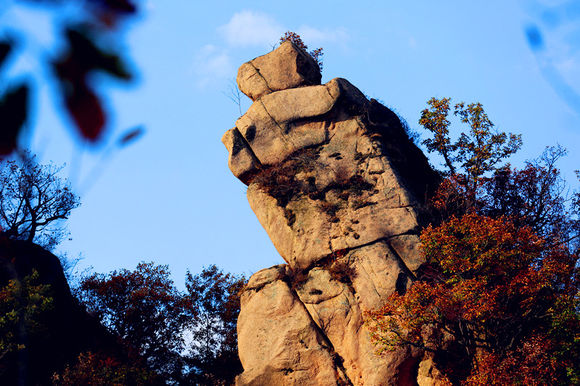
<point x="32" y="201"/>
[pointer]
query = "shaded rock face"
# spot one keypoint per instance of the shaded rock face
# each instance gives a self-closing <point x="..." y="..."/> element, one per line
<point x="340" y="189"/>
<point x="67" y="329"/>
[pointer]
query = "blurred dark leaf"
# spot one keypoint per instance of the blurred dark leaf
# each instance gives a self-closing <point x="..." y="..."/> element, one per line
<point x="86" y="109"/>
<point x="131" y="135"/>
<point x="5" y="48"/>
<point x="535" y="39"/>
<point x="73" y="70"/>
<point x="114" y="66"/>
<point x="13" y="114"/>
<point x="89" y="32"/>
<point x="90" y="57"/>
<point x="121" y="6"/>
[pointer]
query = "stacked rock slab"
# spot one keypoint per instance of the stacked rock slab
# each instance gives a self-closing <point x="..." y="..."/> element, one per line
<point x="340" y="189"/>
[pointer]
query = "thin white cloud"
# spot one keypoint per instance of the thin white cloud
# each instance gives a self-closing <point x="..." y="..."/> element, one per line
<point x="563" y="54"/>
<point x="569" y="67"/>
<point x="315" y="37"/>
<point x="566" y="64"/>
<point x="249" y="28"/>
<point x="253" y="29"/>
<point x="212" y="63"/>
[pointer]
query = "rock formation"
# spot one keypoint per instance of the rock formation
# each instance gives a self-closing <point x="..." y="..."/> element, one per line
<point x="340" y="188"/>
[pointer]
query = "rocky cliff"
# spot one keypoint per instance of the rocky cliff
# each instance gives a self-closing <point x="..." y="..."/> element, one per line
<point x="340" y="188"/>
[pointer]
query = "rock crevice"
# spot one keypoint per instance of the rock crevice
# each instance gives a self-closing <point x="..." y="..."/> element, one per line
<point x="340" y="189"/>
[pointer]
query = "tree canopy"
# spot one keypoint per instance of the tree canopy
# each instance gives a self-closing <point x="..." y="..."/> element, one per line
<point x="144" y="309"/>
<point x="213" y="305"/>
<point x="182" y="337"/>
<point x="496" y="301"/>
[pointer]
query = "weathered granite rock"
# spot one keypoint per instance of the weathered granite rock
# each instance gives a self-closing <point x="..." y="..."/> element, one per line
<point x="279" y="343"/>
<point x="242" y="160"/>
<point x="286" y="67"/>
<point x="429" y="375"/>
<point x="340" y="189"/>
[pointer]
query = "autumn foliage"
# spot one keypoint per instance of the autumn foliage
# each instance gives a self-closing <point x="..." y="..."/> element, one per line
<point x="101" y="369"/>
<point x="497" y="300"/>
<point x="143" y="308"/>
<point x="181" y="337"/>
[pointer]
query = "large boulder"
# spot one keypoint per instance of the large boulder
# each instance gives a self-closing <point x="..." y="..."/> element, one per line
<point x="341" y="190"/>
<point x="280" y="358"/>
<point x="286" y="67"/>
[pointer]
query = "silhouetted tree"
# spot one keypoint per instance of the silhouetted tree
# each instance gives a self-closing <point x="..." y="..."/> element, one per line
<point x="33" y="201"/>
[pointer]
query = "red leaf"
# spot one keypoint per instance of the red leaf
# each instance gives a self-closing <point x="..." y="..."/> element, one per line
<point x="87" y="112"/>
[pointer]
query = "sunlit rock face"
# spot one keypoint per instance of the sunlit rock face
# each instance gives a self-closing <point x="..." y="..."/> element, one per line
<point x="340" y="189"/>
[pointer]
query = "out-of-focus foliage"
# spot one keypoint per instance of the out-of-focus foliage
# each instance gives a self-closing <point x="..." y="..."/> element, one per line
<point x="497" y="300"/>
<point x="33" y="201"/>
<point x="22" y="308"/>
<point x="91" y="47"/>
<point x="213" y="305"/>
<point x="297" y="40"/>
<point x="185" y="338"/>
<point x="549" y="32"/>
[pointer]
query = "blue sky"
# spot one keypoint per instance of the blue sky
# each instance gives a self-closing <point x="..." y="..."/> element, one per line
<point x="170" y="197"/>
